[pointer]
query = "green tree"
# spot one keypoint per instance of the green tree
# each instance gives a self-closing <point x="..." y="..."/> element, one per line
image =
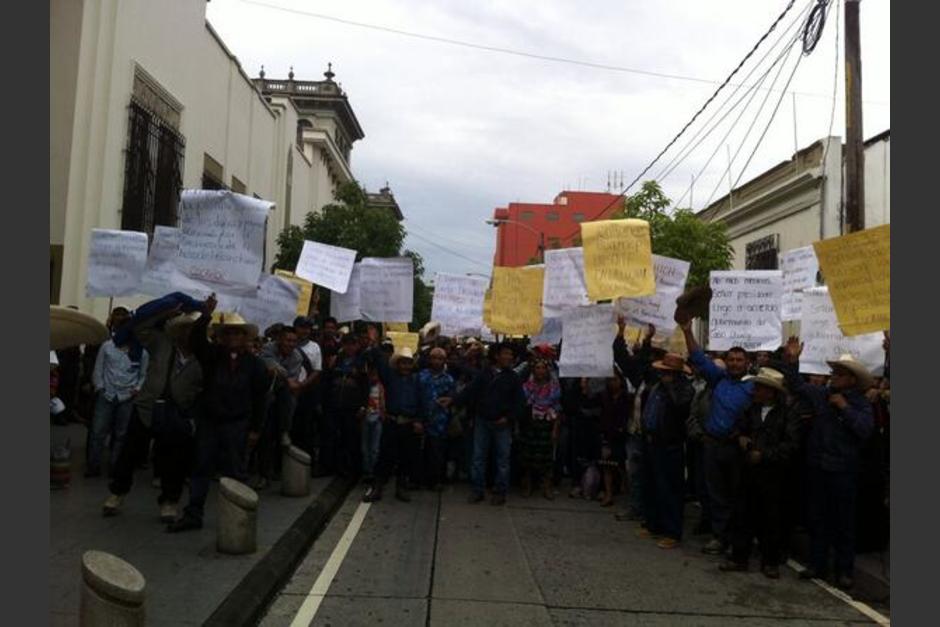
<point x="351" y="223"/>
<point x="680" y="235"/>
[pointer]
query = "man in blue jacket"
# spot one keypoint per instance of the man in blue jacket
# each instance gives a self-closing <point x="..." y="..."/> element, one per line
<point x="841" y="421"/>
<point x="731" y="396"/>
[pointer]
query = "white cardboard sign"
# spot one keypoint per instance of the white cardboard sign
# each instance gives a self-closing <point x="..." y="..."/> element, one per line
<point x="823" y="340"/>
<point x="799" y="267"/>
<point x="346" y="307"/>
<point x="116" y="262"/>
<point x="564" y="284"/>
<point x="163" y="275"/>
<point x="587" y="341"/>
<point x="386" y="291"/>
<point x="458" y="303"/>
<point x="745" y="310"/>
<point x="329" y="266"/>
<point x="658" y="309"/>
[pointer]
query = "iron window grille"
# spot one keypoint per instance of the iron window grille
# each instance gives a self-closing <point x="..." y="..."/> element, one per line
<point x="153" y="169"/>
<point x="761" y="254"/>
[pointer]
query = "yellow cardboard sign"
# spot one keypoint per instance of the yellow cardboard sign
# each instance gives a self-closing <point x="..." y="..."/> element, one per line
<point x="306" y="290"/>
<point x="401" y="340"/>
<point x="618" y="259"/>
<point x="398" y="327"/>
<point x="516" y="307"/>
<point x="488" y="308"/>
<point x="857" y="269"/>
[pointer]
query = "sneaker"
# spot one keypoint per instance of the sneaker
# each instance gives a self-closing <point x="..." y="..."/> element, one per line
<point x="112" y="505"/>
<point x="373" y="494"/>
<point x="498" y="499"/>
<point x="475" y="497"/>
<point x="186" y="523"/>
<point x="771" y="572"/>
<point x="668" y="543"/>
<point x="168" y="512"/>
<point x="730" y="566"/>
<point x="714" y="547"/>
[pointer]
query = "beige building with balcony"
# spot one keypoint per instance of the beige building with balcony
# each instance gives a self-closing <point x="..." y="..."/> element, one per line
<point x="146" y="100"/>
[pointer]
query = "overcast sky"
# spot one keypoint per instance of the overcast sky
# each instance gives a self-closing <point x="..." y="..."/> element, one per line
<point x="457" y="131"/>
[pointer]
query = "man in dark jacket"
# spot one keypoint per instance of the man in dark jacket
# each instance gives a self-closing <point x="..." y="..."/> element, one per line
<point x="769" y="437"/>
<point x="842" y="421"/>
<point x="235" y="399"/>
<point x="664" y="427"/>
<point x="499" y="400"/>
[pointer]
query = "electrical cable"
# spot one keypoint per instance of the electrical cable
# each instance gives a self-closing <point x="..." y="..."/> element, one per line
<point x="447" y="250"/>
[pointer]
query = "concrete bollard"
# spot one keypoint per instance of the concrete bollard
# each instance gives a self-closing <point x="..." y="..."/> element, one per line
<point x="238" y="518"/>
<point x="112" y="592"/>
<point x="295" y="473"/>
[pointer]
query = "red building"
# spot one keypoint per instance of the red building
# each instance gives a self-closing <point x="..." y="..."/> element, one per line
<point x="521" y="227"/>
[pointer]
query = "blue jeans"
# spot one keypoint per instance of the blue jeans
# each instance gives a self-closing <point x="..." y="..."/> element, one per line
<point x="371" y="438"/>
<point x="485" y="433"/>
<point x="112" y="417"/>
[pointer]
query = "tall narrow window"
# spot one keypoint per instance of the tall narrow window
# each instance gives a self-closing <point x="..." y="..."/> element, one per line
<point x="153" y="168"/>
<point x="761" y="254"/>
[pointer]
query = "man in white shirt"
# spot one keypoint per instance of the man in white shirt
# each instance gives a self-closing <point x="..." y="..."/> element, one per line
<point x="308" y="399"/>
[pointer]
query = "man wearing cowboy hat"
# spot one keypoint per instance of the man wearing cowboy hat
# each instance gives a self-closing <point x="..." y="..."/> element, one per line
<point x="841" y="422"/>
<point x="235" y="398"/>
<point x="769" y="438"/>
<point x="399" y="448"/>
<point x="664" y="417"/>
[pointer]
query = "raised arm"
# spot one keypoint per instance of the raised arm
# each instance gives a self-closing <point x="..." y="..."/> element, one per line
<point x="712" y="373"/>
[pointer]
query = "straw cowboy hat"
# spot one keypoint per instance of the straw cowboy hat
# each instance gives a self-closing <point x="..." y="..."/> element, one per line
<point x="404" y="352"/>
<point x="229" y="320"/>
<point x="430" y="331"/>
<point x="859" y="371"/>
<point x="769" y="377"/>
<point x="673" y="362"/>
<point x="70" y="327"/>
<point x="182" y="324"/>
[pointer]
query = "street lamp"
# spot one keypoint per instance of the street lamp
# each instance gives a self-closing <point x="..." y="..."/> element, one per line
<point x="500" y="221"/>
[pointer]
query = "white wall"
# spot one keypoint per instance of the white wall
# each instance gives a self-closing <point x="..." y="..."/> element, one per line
<point x="878" y="183"/>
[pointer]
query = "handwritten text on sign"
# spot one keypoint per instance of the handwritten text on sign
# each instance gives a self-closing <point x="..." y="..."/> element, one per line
<point x="274" y="303"/>
<point x="346" y="307"/>
<point x="587" y="336"/>
<point x="305" y="287"/>
<point x="516" y="307"/>
<point x="386" y="292"/>
<point x="822" y="339"/>
<point x="857" y="270"/>
<point x="799" y="267"/>
<point x="658" y="309"/>
<point x="745" y="310"/>
<point x="403" y="339"/>
<point x="618" y="259"/>
<point x="329" y="266"/>
<point x="116" y="262"/>
<point x="163" y="274"/>
<point x="222" y="237"/>
<point x="458" y="303"/>
<point x="564" y="278"/>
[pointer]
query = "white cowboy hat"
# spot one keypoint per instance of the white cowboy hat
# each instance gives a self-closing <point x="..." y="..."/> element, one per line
<point x="404" y="352"/>
<point x="228" y="320"/>
<point x="769" y="377"/>
<point x="53" y="359"/>
<point x="70" y="327"/>
<point x="848" y="362"/>
<point x="430" y="331"/>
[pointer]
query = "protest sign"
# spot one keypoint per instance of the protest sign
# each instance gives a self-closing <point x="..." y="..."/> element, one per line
<point x="305" y="287"/>
<point x="822" y="339"/>
<point x="116" y="262"/>
<point x="516" y="301"/>
<point x="551" y="331"/>
<point x="658" y="309"/>
<point x="346" y="307"/>
<point x="799" y="267"/>
<point x="275" y="302"/>
<point x="222" y="237"/>
<point x="398" y="327"/>
<point x="162" y="274"/>
<point x="618" y="259"/>
<point x="458" y="303"/>
<point x="857" y="269"/>
<point x="401" y="340"/>
<point x="745" y="310"/>
<point x="386" y="289"/>
<point x="329" y="266"/>
<point x="564" y="278"/>
<point x="488" y="309"/>
<point x="587" y="337"/>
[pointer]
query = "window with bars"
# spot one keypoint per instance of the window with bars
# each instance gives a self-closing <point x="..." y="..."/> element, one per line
<point x="153" y="170"/>
<point x="761" y="254"/>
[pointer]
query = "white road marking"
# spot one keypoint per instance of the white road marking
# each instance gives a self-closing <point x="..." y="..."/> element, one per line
<point x="858" y="605"/>
<point x="321" y="586"/>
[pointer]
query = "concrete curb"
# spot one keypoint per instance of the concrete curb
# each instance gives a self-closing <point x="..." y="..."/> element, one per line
<point x="869" y="588"/>
<point x="246" y="603"/>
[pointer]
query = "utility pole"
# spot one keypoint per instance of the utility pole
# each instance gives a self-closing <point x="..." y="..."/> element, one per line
<point x="854" y="142"/>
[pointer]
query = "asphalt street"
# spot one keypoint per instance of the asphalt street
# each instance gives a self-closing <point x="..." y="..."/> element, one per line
<point x="441" y="561"/>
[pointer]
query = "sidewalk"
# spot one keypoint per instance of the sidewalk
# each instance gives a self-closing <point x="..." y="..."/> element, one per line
<point x="186" y="578"/>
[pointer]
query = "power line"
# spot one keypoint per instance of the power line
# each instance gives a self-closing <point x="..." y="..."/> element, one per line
<point x="451" y="241"/>
<point x="449" y="251"/>
<point x="501" y="50"/>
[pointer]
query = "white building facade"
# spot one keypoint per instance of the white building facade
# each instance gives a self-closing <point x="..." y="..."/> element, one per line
<point x="147" y="100"/>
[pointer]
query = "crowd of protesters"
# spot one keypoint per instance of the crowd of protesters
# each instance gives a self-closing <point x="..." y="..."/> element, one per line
<point x="762" y="450"/>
